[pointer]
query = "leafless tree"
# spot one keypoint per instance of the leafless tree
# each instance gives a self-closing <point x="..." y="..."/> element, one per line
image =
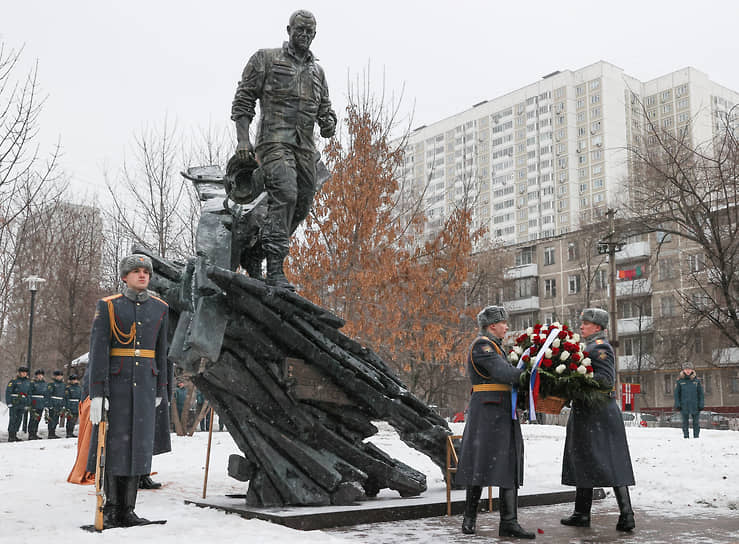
<point x="27" y="175"/>
<point x="691" y="190"/>
<point x="149" y="194"/>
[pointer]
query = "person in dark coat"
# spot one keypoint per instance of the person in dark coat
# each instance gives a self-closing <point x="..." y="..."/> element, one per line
<point x="596" y="451"/>
<point x="128" y="377"/>
<point x="55" y="401"/>
<point x="18" y="399"/>
<point x="492" y="445"/>
<point x="38" y="403"/>
<point x="689" y="401"/>
<point x="72" y="397"/>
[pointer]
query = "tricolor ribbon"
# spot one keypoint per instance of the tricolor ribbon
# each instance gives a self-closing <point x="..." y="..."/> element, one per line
<point x="534" y="380"/>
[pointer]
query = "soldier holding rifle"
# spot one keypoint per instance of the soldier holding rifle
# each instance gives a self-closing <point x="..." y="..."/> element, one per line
<point x="128" y="380"/>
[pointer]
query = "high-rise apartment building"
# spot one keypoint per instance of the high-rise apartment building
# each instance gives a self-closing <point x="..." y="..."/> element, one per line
<point x="539" y="160"/>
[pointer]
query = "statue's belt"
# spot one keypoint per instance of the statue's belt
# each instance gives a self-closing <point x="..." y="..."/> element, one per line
<point x="490" y="387"/>
<point x="125" y="352"/>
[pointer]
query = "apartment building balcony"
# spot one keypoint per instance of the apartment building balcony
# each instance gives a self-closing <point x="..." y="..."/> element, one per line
<point x="633" y="288"/>
<point x="521" y="271"/>
<point x="634" y="250"/>
<point x="726" y="357"/>
<point x="630" y="363"/>
<point x="632" y="325"/>
<point x="521" y="305"/>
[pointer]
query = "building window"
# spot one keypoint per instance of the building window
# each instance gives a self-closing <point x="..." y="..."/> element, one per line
<point x="734" y="384"/>
<point x="666" y="268"/>
<point x="669" y="385"/>
<point x="550" y="288"/>
<point x="572" y="251"/>
<point x="573" y="284"/>
<point x="601" y="279"/>
<point x="707" y="384"/>
<point x="525" y="256"/>
<point x="696" y="263"/>
<point x="667" y="306"/>
<point x="549" y="255"/>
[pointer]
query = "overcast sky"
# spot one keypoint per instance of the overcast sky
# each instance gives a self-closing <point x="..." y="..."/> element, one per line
<point x="110" y="69"/>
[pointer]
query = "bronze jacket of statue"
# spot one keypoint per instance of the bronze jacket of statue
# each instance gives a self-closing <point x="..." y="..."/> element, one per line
<point x="292" y="94"/>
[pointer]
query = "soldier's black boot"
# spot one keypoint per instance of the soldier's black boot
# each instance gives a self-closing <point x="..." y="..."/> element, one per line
<point x="470" y="509"/>
<point x="111" y="509"/>
<point x="275" y="274"/>
<point x="626" y="514"/>
<point x="583" y="502"/>
<point x="13" y="437"/>
<point x="145" y="482"/>
<point x="52" y="434"/>
<point x="129" y="489"/>
<point x="509" y="515"/>
<point x="33" y="436"/>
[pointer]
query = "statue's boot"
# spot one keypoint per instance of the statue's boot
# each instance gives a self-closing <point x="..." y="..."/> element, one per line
<point x="275" y="275"/>
<point x="583" y="502"/>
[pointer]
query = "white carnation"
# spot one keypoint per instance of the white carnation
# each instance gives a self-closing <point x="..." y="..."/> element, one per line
<point x="560" y="369"/>
<point x="530" y="331"/>
<point x="548" y="354"/>
<point x="590" y="374"/>
<point x="581" y="369"/>
<point x="518" y="350"/>
<point x="556" y="325"/>
<point x="556" y="343"/>
<point x="564" y="355"/>
<point x="586" y="361"/>
<point x="575" y="338"/>
<point x="513" y="357"/>
<point x="543" y="336"/>
<point x="582" y="346"/>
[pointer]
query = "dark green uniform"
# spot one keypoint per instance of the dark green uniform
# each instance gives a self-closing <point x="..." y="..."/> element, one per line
<point x="55" y="402"/>
<point x="689" y="400"/>
<point x="38" y="404"/>
<point x="18" y="399"/>
<point x="72" y="397"/>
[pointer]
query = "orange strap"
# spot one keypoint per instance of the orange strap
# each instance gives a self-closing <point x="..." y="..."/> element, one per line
<point x="120" y="336"/>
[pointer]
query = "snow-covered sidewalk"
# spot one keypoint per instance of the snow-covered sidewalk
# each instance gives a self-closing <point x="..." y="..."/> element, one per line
<point x="674" y="477"/>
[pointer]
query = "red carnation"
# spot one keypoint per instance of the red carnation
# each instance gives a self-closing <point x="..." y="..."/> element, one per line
<point x="555" y="351"/>
<point x="537" y="340"/>
<point x="573" y="366"/>
<point x="586" y="354"/>
<point x="547" y="363"/>
<point x="562" y="335"/>
<point x="525" y="358"/>
<point x="537" y="328"/>
<point x="575" y="357"/>
<point x="589" y="368"/>
<point x="565" y="328"/>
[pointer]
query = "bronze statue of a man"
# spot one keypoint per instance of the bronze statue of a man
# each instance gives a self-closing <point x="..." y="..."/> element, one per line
<point x="293" y="96"/>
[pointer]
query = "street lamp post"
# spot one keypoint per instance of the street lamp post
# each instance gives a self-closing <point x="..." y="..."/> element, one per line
<point x="33" y="283"/>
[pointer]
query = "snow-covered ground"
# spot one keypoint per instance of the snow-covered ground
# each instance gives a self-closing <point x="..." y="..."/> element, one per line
<point x="673" y="476"/>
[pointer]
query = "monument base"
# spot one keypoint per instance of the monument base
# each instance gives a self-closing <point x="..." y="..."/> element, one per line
<point x="379" y="509"/>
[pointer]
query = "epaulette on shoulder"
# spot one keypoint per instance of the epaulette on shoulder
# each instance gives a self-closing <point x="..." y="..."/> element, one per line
<point x="599" y="341"/>
<point x="111" y="297"/>
<point x="160" y="300"/>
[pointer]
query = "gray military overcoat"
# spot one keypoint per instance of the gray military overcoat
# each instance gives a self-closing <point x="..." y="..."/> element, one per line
<point x="596" y="451"/>
<point x="130" y="381"/>
<point x="492" y="445"/>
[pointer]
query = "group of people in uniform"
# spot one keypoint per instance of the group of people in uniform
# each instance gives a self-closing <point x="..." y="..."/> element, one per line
<point x="596" y="452"/>
<point x="56" y="401"/>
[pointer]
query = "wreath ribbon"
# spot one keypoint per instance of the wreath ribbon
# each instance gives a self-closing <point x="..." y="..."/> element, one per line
<point x="534" y="380"/>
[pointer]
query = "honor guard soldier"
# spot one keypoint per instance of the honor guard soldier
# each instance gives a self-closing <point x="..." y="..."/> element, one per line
<point x="18" y="399"/>
<point x="596" y="451"/>
<point x="492" y="445"/>
<point x="128" y="378"/>
<point x="55" y="401"/>
<point x="72" y="397"/>
<point x="38" y="403"/>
